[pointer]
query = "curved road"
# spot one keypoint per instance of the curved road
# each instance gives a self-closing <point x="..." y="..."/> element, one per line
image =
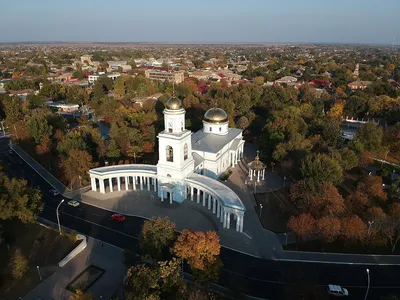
<point x="266" y="279"/>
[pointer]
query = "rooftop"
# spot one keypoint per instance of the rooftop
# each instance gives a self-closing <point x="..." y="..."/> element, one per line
<point x="209" y="142"/>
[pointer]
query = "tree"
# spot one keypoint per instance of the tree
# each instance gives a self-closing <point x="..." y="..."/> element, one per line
<point x="200" y="249"/>
<point x="328" y="228"/>
<point x="76" y="95"/>
<point x="39" y="128"/>
<point x="370" y="137"/>
<point x="157" y="237"/>
<point x="354" y="229"/>
<point x="303" y="225"/>
<point x="76" y="164"/>
<point x="332" y="132"/>
<point x="113" y="150"/>
<point x="80" y="295"/>
<point x="243" y="122"/>
<point x="18" y="200"/>
<point x="348" y="159"/>
<point x="392" y="230"/>
<point x="19" y="264"/>
<point x="52" y="90"/>
<point x="373" y="187"/>
<point x="322" y="168"/>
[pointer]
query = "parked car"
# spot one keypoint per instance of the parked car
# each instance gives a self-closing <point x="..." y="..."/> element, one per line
<point x="119" y="218"/>
<point x="337" y="290"/>
<point x="73" y="203"/>
<point x="54" y="192"/>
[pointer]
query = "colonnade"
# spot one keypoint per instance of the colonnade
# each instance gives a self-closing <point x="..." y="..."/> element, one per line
<point x="259" y="174"/>
<point x="236" y="155"/>
<point x="223" y="213"/>
<point x="129" y="182"/>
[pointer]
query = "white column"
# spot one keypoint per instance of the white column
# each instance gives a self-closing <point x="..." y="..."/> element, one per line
<point x="214" y="201"/>
<point x="141" y="183"/>
<point x="225" y="218"/>
<point x="170" y="198"/>
<point x="102" y="189"/>
<point x="258" y="176"/>
<point x="241" y="223"/>
<point x="251" y="173"/>
<point x="263" y="174"/>
<point x="93" y="181"/>
<point x="204" y="198"/>
<point x="148" y="184"/>
<point x="162" y="193"/>
<point x="134" y="182"/>
<point x="119" y="183"/>
<point x="228" y="221"/>
<point x="191" y="193"/>
<point x="222" y="214"/>
<point x="127" y="183"/>
<point x="155" y="184"/>
<point x="198" y="195"/>
<point x="232" y="159"/>
<point x="111" y="184"/>
<point x="218" y="209"/>
<point x="237" y="223"/>
<point x="209" y="202"/>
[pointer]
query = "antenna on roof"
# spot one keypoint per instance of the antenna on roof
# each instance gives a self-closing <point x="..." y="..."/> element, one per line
<point x="173" y="88"/>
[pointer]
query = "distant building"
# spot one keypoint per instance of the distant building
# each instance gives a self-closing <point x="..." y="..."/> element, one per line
<point x="113" y="65"/>
<point x="286" y="80"/>
<point x="62" y="107"/>
<point x="22" y="94"/>
<point x="86" y="59"/>
<point x="175" y="76"/>
<point x="94" y="77"/>
<point x="201" y="75"/>
<point x="359" y="85"/>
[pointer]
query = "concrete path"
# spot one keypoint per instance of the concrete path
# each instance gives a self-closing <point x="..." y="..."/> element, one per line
<point x="96" y="253"/>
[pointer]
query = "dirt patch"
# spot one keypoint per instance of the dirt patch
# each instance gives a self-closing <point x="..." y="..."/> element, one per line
<point x="275" y="210"/>
<point x="43" y="247"/>
<point x="85" y="279"/>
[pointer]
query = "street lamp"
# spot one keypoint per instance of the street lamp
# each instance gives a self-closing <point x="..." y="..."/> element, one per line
<point x="286" y="237"/>
<point x="284" y="181"/>
<point x="366" y="294"/>
<point x="261" y="207"/>
<point x="58" y="216"/>
<point x="40" y="275"/>
<point x="369" y="227"/>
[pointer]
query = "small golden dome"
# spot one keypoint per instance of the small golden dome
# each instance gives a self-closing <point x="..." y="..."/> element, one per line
<point x="216" y="115"/>
<point x="174" y="103"/>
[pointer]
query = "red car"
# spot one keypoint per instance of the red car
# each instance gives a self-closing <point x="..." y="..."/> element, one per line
<point x="118" y="218"/>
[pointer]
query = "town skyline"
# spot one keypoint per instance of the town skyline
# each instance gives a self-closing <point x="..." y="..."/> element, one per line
<point x="251" y="22"/>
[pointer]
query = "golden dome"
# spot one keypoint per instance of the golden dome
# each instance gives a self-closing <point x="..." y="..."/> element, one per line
<point x="174" y="103"/>
<point x="216" y="115"/>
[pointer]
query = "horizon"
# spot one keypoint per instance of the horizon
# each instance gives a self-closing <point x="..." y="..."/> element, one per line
<point x="233" y="22"/>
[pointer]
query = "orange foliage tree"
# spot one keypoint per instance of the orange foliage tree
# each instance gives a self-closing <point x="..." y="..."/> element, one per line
<point x="328" y="228"/>
<point x="354" y="229"/>
<point x="303" y="225"/>
<point x="200" y="249"/>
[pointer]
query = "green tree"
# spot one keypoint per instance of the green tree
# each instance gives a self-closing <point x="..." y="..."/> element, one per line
<point x="39" y="128"/>
<point x="113" y="150"/>
<point x="157" y="237"/>
<point x="76" y="95"/>
<point x="17" y="200"/>
<point x="332" y="132"/>
<point x="243" y="122"/>
<point x="348" y="159"/>
<point x="322" y="168"/>
<point x="370" y="136"/>
<point x="19" y="264"/>
<point x="52" y="90"/>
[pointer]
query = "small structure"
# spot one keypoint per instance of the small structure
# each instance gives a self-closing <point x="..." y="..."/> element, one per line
<point x="256" y="168"/>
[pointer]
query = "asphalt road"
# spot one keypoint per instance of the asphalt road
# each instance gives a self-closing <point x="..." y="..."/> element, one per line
<point x="256" y="277"/>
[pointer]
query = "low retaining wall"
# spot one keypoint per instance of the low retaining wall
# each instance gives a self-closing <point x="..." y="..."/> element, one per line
<point x="82" y="245"/>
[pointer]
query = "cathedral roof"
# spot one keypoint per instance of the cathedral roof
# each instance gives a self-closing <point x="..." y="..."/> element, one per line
<point x="216" y="115"/>
<point x="174" y="103"/>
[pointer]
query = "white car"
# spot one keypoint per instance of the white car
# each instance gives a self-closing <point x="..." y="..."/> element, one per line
<point x="73" y="203"/>
<point x="54" y="192"/>
<point x="337" y="290"/>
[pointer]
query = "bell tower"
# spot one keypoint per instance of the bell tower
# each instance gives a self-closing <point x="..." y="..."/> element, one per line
<point x="175" y="161"/>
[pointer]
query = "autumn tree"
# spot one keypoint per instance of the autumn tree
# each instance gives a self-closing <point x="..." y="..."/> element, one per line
<point x="80" y="295"/>
<point x="354" y="229"/>
<point x="328" y="228"/>
<point x="302" y="225"/>
<point x="19" y="264"/>
<point x="157" y="237"/>
<point x="392" y="228"/>
<point x="77" y="95"/>
<point x="201" y="250"/>
<point x="243" y="122"/>
<point x="76" y="164"/>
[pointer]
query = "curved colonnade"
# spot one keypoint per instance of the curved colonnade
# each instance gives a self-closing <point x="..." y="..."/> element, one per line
<point x="217" y="197"/>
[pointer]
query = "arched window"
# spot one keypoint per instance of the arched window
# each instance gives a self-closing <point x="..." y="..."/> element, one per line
<point x="170" y="153"/>
<point x="185" y="152"/>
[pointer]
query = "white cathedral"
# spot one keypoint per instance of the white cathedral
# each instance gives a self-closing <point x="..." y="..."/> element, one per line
<point x="188" y="166"/>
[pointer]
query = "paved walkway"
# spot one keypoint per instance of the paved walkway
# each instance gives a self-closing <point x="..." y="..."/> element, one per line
<point x="106" y="257"/>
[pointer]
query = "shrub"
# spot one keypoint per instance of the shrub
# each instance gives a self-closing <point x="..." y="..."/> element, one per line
<point x="19" y="264"/>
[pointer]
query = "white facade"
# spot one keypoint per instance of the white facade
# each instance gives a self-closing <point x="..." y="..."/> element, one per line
<point x="181" y="156"/>
<point x="95" y="77"/>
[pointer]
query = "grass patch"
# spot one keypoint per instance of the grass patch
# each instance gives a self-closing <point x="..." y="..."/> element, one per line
<point x="42" y="247"/>
<point x="85" y="279"/>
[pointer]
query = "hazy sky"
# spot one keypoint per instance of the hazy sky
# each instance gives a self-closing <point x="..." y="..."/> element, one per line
<point x="201" y="21"/>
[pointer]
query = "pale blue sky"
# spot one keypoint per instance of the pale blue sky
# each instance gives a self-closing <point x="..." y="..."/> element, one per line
<point x="201" y="21"/>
